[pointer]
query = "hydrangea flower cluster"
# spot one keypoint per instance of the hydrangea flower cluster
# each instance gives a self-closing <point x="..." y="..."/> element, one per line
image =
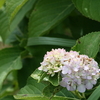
<point x="52" y="61"/>
<point x="79" y="72"/>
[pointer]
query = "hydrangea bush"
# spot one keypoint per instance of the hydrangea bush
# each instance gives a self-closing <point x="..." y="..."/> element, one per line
<point x="66" y="33"/>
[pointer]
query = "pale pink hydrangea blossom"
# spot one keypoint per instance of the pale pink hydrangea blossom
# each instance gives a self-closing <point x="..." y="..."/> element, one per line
<point x="79" y="72"/>
<point x="52" y="61"/>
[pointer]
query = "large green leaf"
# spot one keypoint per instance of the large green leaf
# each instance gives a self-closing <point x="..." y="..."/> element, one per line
<point x="19" y="16"/>
<point x="15" y="12"/>
<point x="9" y="60"/>
<point x="95" y="95"/>
<point x="50" y="41"/>
<point x="88" y="44"/>
<point x="46" y="14"/>
<point x="33" y="91"/>
<point x="89" y="8"/>
<point x="5" y="17"/>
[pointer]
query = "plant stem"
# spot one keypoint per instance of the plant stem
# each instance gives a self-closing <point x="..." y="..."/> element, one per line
<point x="77" y="94"/>
<point x="83" y="96"/>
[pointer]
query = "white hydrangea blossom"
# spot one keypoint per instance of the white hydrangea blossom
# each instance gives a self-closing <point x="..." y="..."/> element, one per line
<point x="79" y="72"/>
<point x="52" y="61"/>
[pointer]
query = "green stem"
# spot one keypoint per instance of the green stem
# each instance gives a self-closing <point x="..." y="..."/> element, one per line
<point x="83" y="96"/>
<point x="80" y="96"/>
<point x="77" y="94"/>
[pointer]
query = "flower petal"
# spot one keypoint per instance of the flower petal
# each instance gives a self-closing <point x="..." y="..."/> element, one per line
<point x="89" y="85"/>
<point x="81" y="88"/>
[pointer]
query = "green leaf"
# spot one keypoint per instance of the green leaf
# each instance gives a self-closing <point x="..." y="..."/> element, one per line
<point x="50" y="41"/>
<point x="46" y="14"/>
<point x="48" y="91"/>
<point x="45" y="98"/>
<point x="33" y="91"/>
<point x="24" y="5"/>
<point x="51" y="90"/>
<point x="95" y="95"/>
<point x="13" y="7"/>
<point x="4" y="24"/>
<point x="55" y="79"/>
<point x="38" y="75"/>
<point x="8" y="26"/>
<point x="1" y="3"/>
<point x="64" y="92"/>
<point x="85" y="45"/>
<point x="19" y="16"/>
<point x="88" y="8"/>
<point x="43" y="76"/>
<point x="23" y="42"/>
<point x="9" y="60"/>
